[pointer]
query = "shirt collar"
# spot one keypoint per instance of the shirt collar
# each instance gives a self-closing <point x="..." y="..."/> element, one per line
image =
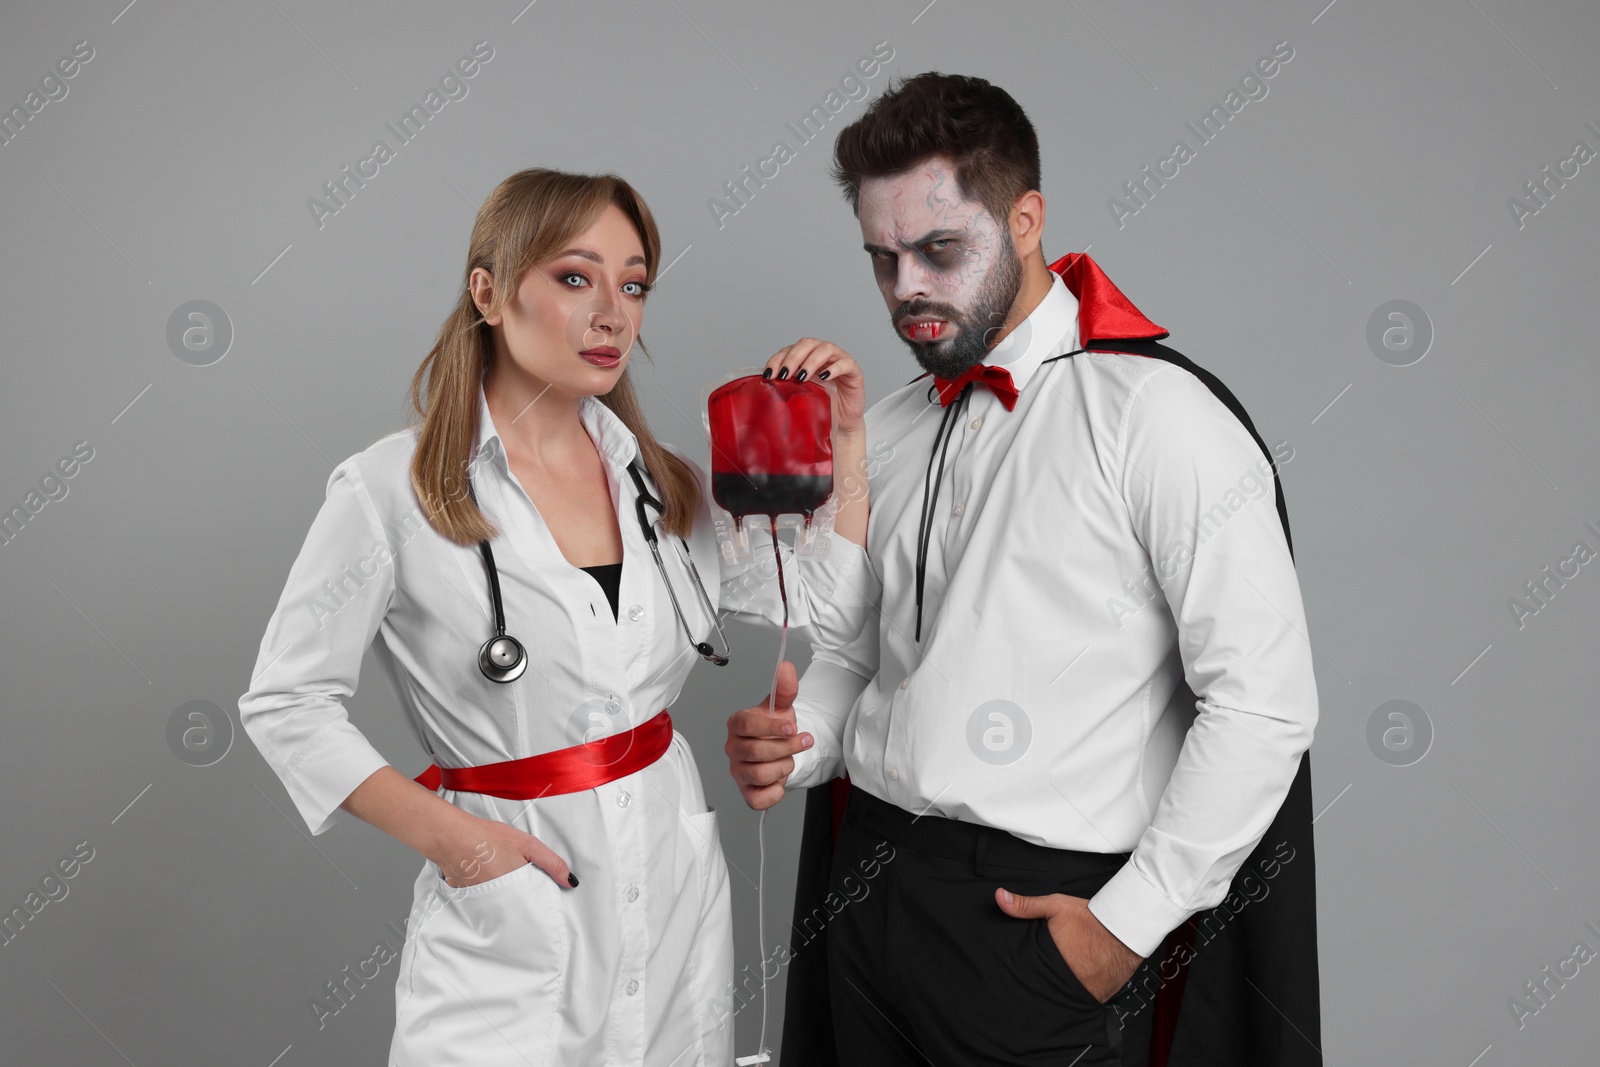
<point x="1050" y="329"/>
<point x="610" y="434"/>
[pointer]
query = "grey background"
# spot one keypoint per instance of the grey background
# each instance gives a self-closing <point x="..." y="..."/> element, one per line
<point x="1378" y="168"/>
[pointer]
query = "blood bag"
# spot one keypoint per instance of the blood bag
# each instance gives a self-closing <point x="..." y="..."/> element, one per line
<point x="772" y="457"/>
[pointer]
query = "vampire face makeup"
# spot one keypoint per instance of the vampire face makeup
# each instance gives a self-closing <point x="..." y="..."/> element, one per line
<point x="947" y="268"/>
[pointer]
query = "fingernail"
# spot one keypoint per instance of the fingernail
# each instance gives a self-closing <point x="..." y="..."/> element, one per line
<point x="784" y="373"/>
<point x="805" y="742"/>
<point x="572" y="880"/>
<point x="767" y="373"/>
<point x="823" y="375"/>
<point x="800" y="377"/>
<point x="1005" y="895"/>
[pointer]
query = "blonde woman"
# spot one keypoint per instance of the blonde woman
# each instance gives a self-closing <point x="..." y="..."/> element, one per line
<point x="498" y="557"/>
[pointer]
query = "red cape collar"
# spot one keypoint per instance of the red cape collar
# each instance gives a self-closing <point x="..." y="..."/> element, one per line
<point x="1103" y="312"/>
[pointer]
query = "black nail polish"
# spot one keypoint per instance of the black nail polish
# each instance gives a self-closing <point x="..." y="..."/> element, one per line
<point x="572" y="880"/>
<point x="784" y="373"/>
<point x="766" y="373"/>
<point x="823" y="376"/>
<point x="800" y="377"/>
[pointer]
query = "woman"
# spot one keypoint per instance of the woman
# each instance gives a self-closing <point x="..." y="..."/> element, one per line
<point x="574" y="908"/>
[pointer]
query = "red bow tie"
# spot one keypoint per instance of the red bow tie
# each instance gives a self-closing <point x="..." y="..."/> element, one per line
<point x="998" y="379"/>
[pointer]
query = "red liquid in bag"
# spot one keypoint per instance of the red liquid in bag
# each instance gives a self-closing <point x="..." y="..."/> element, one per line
<point x="771" y="447"/>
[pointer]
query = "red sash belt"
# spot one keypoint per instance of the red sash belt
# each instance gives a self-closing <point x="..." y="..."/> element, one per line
<point x="566" y="770"/>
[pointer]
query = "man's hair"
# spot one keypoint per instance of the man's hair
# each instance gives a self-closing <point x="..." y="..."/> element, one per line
<point x="976" y="125"/>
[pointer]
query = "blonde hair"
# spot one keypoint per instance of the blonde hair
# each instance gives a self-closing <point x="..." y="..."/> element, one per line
<point x="527" y="219"/>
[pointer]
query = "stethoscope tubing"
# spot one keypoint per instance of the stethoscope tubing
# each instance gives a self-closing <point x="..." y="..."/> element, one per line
<point x="503" y="659"/>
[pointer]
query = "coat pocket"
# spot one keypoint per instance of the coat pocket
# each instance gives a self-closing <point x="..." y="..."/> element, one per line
<point x="706" y="840"/>
<point x="451" y="892"/>
<point x="492" y="960"/>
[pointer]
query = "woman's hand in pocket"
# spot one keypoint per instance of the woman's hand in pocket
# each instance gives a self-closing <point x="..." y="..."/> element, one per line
<point x="478" y="850"/>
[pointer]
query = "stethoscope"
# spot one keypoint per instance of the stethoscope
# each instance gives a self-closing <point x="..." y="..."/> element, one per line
<point x="503" y="659"/>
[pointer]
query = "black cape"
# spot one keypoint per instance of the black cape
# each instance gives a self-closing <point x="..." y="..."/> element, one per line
<point x="1234" y="986"/>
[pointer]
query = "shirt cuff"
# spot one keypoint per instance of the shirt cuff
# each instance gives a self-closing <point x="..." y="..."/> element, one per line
<point x="824" y="760"/>
<point x="328" y="772"/>
<point x="1135" y="911"/>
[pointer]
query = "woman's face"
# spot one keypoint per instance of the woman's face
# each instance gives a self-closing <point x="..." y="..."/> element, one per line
<point x="572" y="321"/>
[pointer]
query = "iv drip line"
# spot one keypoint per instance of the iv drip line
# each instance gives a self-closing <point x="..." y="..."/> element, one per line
<point x="765" y="1054"/>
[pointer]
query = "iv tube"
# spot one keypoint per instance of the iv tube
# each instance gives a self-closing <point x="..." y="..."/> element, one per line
<point x="764" y="1054"/>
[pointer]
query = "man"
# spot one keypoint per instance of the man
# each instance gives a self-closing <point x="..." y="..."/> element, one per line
<point x="1078" y="709"/>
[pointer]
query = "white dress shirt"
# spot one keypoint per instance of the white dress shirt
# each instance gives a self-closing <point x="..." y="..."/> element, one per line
<point x="1113" y="654"/>
<point x="633" y="966"/>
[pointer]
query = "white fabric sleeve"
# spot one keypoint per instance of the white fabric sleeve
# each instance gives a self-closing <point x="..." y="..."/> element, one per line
<point x="834" y="602"/>
<point x="828" y="694"/>
<point x="840" y="669"/>
<point x="1217" y="548"/>
<point x="337" y="593"/>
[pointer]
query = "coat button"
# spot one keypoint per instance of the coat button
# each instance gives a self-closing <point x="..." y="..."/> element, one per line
<point x="623" y="798"/>
<point x="636" y="612"/>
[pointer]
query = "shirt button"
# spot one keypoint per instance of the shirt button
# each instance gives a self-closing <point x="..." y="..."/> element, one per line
<point x="894" y="775"/>
<point x="633" y="986"/>
<point x="960" y="509"/>
<point x="613" y="706"/>
<point x="633" y="893"/>
<point x="636" y="612"/>
<point x="905" y="683"/>
<point x="977" y="422"/>
<point x="623" y="798"/>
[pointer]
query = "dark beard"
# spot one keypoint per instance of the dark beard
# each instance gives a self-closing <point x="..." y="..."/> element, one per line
<point x="978" y="329"/>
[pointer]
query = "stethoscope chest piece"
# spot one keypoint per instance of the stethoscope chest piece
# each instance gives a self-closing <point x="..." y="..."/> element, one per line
<point x="502" y="658"/>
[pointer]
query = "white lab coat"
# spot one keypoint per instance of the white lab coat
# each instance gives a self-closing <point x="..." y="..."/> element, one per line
<point x="635" y="966"/>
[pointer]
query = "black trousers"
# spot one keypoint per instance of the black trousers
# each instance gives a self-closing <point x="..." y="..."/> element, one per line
<point x="924" y="967"/>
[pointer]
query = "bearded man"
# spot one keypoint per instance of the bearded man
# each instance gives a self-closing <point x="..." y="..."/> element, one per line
<point x="1075" y="719"/>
